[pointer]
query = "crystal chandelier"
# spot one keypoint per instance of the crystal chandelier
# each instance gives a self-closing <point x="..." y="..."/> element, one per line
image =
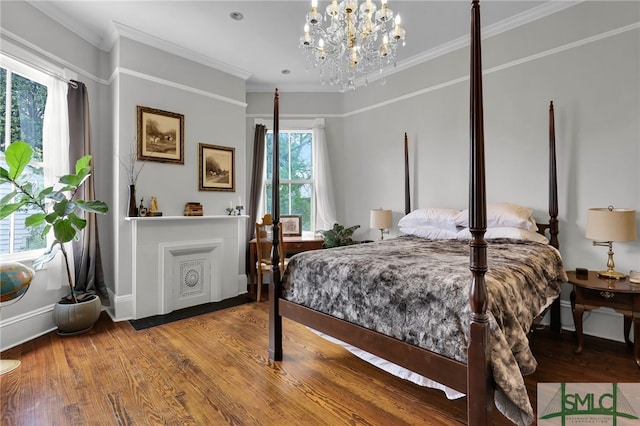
<point x="358" y="39"/>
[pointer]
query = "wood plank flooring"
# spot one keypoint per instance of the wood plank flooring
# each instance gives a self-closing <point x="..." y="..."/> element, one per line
<point x="213" y="369"/>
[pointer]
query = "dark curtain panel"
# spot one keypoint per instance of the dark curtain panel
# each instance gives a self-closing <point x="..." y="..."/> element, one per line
<point x="86" y="251"/>
<point x="259" y="142"/>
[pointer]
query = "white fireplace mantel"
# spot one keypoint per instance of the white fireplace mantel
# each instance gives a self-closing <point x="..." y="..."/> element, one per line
<point x="180" y="261"/>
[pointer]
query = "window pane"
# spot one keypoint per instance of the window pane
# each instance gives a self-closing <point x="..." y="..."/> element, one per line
<point x="285" y="196"/>
<point x="284" y="156"/>
<point x="301" y="163"/>
<point x="301" y="195"/>
<point x="24" y="239"/>
<point x="28" y="100"/>
<point x="268" y="198"/>
<point x="269" y="156"/>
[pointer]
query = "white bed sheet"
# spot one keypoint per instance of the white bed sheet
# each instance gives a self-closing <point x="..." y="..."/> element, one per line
<point x="399" y="371"/>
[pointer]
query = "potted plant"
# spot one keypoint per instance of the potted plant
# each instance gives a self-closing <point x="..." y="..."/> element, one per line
<point x="56" y="209"/>
<point x="338" y="236"/>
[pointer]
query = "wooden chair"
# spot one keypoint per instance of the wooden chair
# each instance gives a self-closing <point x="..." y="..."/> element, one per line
<point x="263" y="251"/>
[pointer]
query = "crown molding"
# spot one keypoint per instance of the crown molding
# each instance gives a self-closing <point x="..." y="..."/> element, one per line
<point x="142" y="37"/>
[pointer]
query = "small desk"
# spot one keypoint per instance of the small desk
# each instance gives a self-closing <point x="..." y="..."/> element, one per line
<point x="592" y="292"/>
<point x="294" y="245"/>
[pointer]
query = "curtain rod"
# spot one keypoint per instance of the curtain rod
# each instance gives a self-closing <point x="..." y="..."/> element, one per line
<point x="42" y="69"/>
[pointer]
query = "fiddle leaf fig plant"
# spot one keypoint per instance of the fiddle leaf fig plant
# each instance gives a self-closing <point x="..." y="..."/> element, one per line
<point x="55" y="206"/>
<point x="338" y="236"/>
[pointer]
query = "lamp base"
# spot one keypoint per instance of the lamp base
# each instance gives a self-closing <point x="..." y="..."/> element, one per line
<point x="611" y="275"/>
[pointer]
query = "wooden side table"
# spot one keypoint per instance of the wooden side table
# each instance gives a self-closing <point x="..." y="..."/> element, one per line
<point x="592" y="292"/>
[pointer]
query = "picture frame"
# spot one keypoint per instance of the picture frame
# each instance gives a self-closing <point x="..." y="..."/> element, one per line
<point x="216" y="168"/>
<point x="291" y="225"/>
<point x="160" y="135"/>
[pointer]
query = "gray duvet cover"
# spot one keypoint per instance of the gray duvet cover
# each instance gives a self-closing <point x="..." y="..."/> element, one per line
<point x="417" y="291"/>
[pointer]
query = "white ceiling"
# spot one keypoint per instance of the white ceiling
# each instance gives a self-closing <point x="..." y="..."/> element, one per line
<point x="265" y="42"/>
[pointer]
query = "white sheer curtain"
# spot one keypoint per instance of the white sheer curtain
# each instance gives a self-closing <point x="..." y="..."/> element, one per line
<point x="325" y="203"/>
<point x="55" y="132"/>
<point x="55" y="147"/>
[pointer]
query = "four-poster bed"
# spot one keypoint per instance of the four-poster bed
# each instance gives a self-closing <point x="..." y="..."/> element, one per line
<point x="476" y="349"/>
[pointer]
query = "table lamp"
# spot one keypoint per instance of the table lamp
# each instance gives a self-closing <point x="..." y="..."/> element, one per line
<point x="381" y="219"/>
<point x="606" y="225"/>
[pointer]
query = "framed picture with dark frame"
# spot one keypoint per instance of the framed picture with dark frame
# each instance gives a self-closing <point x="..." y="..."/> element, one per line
<point x="160" y="135"/>
<point x="291" y="225"/>
<point x="216" y="168"/>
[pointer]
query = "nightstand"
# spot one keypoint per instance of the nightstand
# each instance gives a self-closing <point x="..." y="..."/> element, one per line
<point x="592" y="292"/>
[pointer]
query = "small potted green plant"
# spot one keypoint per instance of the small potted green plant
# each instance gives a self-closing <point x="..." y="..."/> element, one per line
<point x="338" y="236"/>
<point x="56" y="209"/>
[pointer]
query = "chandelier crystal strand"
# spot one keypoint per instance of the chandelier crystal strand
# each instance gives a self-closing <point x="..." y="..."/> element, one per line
<point x="357" y="38"/>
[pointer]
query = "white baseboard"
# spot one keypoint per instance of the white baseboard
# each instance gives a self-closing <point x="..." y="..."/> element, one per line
<point x="24" y="327"/>
<point x="122" y="307"/>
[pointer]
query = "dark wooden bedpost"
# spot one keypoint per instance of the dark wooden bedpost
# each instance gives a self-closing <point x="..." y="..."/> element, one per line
<point x="275" y="284"/>
<point x="477" y="355"/>
<point x="407" y="192"/>
<point x="553" y="181"/>
<point x="555" y="323"/>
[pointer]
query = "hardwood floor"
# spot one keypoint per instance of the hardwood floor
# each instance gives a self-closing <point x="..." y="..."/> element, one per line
<point x="213" y="369"/>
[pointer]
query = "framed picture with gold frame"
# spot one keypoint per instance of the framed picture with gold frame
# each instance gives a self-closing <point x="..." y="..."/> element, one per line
<point x="216" y="168"/>
<point x="160" y="135"/>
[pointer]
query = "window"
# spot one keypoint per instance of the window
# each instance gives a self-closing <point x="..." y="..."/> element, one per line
<point x="23" y="96"/>
<point x="296" y="175"/>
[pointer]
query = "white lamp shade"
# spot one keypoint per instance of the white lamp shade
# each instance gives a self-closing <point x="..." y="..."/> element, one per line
<point x="381" y="219"/>
<point x="606" y="224"/>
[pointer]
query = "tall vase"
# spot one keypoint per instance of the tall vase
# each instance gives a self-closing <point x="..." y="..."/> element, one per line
<point x="133" y="210"/>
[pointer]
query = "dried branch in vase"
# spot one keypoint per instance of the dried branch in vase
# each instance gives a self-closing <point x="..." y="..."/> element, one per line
<point x="130" y="164"/>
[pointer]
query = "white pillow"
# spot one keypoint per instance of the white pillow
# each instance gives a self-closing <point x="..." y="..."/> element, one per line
<point x="506" y="232"/>
<point x="435" y="218"/>
<point x="429" y="233"/>
<point x="503" y="215"/>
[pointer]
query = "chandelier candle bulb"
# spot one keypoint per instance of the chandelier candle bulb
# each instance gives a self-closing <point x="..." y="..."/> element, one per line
<point x="398" y="29"/>
<point x="384" y="13"/>
<point x="307" y="37"/>
<point x="334" y="8"/>
<point x="368" y="6"/>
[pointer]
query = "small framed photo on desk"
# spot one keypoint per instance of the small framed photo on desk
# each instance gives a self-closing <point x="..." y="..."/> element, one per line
<point x="291" y="225"/>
